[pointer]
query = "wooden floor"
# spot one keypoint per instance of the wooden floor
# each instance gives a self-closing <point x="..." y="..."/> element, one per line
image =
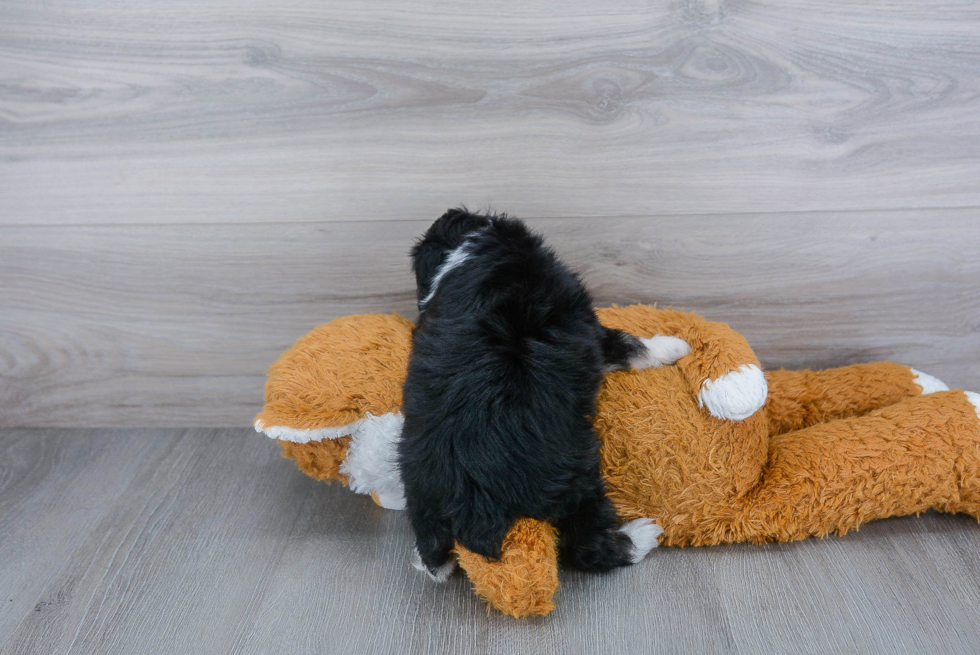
<point x="206" y="541"/>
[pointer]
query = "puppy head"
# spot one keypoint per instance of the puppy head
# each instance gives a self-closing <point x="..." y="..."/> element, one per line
<point x="445" y="235"/>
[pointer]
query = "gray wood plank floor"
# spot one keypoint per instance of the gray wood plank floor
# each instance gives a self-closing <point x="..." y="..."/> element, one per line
<point x="206" y="541"/>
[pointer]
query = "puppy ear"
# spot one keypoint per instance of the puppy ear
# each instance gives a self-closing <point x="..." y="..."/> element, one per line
<point x="427" y="255"/>
<point x="445" y="235"/>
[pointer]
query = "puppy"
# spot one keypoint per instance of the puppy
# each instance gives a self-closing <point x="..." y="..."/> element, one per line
<point x="506" y="363"/>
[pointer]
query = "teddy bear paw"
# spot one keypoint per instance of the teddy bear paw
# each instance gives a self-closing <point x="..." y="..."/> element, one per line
<point x="439" y="574"/>
<point x="736" y="395"/>
<point x="928" y="383"/>
<point x="644" y="533"/>
<point x="974" y="399"/>
<point x="660" y="351"/>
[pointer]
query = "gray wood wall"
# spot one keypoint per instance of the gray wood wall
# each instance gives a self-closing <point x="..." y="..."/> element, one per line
<point x="186" y="187"/>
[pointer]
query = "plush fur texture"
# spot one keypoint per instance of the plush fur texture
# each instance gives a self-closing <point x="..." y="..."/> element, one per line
<point x="308" y="386"/>
<point x="371" y="464"/>
<point x="524" y="580"/>
<point x="827" y="452"/>
<point x="506" y="363"/>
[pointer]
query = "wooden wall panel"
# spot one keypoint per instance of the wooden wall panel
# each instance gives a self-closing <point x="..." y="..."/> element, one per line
<point x="244" y="111"/>
<point x="175" y="324"/>
<point x="185" y="188"/>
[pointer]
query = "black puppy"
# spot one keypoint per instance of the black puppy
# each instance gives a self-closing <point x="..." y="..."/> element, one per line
<point x="506" y="363"/>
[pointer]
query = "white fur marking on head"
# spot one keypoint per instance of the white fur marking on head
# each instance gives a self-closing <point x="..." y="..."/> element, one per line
<point x="372" y="459"/>
<point x="454" y="260"/>
<point x="440" y="575"/>
<point x="660" y="351"/>
<point x="736" y="395"/>
<point x="644" y="534"/>
<point x="928" y="383"/>
<point x="297" y="435"/>
<point x="974" y="399"/>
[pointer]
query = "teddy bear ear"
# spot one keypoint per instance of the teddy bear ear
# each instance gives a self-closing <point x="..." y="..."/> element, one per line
<point x="335" y="376"/>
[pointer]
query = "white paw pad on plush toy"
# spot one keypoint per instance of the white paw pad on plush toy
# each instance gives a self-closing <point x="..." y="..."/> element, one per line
<point x="974" y="399"/>
<point x="928" y="383"/>
<point x="737" y="395"/>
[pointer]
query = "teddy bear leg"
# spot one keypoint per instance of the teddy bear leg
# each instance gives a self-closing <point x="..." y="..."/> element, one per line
<point x="968" y="469"/>
<point x="799" y="399"/>
<point x="523" y="581"/>
<point x="919" y="454"/>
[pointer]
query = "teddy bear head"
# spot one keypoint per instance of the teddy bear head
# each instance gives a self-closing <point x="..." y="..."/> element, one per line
<point x="334" y="399"/>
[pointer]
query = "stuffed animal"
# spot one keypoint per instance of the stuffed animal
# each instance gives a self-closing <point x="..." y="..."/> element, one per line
<point x="718" y="451"/>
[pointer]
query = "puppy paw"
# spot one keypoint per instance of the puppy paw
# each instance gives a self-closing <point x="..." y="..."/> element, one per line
<point x="439" y="574"/>
<point x="644" y="533"/>
<point x="736" y="395"/>
<point x="660" y="351"/>
<point x="927" y="383"/>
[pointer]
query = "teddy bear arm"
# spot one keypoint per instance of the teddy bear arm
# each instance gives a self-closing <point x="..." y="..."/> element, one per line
<point x="716" y="348"/>
<point x="722" y="368"/>
<point x="799" y="399"/>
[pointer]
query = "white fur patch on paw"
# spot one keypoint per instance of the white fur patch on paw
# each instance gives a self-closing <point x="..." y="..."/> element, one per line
<point x="440" y="575"/>
<point x="974" y="399"/>
<point x="736" y="395"/>
<point x="928" y="383"/>
<point x="644" y="534"/>
<point x="660" y="351"/>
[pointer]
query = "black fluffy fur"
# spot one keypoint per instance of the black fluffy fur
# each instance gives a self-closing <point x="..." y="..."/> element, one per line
<point x="506" y="363"/>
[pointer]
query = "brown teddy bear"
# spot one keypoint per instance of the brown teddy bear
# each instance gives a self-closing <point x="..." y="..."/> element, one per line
<point x="715" y="449"/>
